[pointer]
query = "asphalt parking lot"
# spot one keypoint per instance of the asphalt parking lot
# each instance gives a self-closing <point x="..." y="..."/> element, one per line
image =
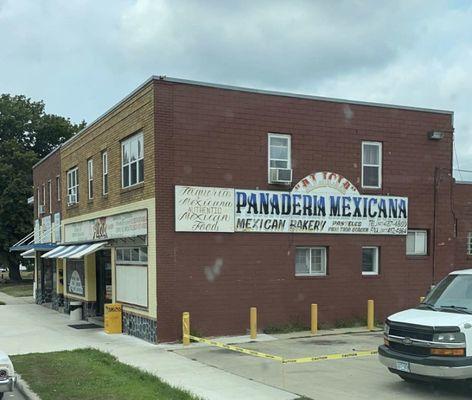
<point x="355" y="378"/>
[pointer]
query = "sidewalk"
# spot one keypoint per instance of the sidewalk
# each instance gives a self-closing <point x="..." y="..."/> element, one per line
<point x="27" y="328"/>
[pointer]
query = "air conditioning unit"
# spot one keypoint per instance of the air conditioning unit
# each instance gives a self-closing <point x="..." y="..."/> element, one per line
<point x="71" y="199"/>
<point x="280" y="176"/>
<point x="41" y="209"/>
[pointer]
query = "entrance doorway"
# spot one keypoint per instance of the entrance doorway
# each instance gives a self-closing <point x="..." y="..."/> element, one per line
<point x="104" y="282"/>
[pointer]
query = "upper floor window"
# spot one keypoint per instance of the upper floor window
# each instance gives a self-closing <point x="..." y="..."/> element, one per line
<point x="417" y="243"/>
<point x="58" y="187"/>
<point x="372" y="165"/>
<point x="90" y="178"/>
<point x="132" y="160"/>
<point x="310" y="261"/>
<point x="370" y="260"/>
<point x="469" y="244"/>
<point x="280" y="163"/>
<point x="50" y="196"/>
<point x="38" y="201"/>
<point x="73" y="186"/>
<point x="105" y="173"/>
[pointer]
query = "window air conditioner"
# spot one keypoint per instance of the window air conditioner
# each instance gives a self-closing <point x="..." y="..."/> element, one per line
<point x="280" y="176"/>
<point x="71" y="199"/>
<point x="41" y="209"/>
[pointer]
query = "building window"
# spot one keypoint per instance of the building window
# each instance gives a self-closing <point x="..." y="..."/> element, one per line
<point x="44" y="198"/>
<point x="372" y="165"/>
<point x="132" y="276"/>
<point x="469" y="244"/>
<point x="370" y="260"/>
<point x="279" y="158"/>
<point x="38" y="203"/>
<point x="310" y="261"/>
<point x="417" y="243"/>
<point x="105" y="173"/>
<point x="50" y="196"/>
<point x="58" y="187"/>
<point x="90" y="178"/>
<point x="132" y="161"/>
<point x="73" y="186"/>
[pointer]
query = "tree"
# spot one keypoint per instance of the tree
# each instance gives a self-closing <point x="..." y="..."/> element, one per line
<point x="27" y="134"/>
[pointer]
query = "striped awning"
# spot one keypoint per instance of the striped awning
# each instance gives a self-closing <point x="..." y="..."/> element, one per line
<point x="74" y="251"/>
<point x="28" y="254"/>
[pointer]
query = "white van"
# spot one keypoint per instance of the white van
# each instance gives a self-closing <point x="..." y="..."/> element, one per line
<point x="433" y="340"/>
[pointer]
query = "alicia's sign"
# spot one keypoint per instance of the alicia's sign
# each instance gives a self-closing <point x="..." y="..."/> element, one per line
<point x="324" y="202"/>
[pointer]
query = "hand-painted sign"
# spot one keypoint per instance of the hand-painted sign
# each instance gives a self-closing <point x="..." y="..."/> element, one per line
<point x="46" y="234"/>
<point x="75" y="277"/>
<point x="323" y="202"/>
<point x="204" y="209"/>
<point x="130" y="224"/>
<point x="268" y="211"/>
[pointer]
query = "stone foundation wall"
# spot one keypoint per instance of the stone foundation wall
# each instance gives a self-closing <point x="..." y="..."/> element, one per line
<point x="140" y="327"/>
<point x="57" y="301"/>
<point x="43" y="296"/>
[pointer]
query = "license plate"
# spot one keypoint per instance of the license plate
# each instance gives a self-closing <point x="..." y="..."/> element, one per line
<point x="403" y="366"/>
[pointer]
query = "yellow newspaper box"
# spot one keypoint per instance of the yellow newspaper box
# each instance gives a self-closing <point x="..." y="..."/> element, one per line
<point x="113" y="318"/>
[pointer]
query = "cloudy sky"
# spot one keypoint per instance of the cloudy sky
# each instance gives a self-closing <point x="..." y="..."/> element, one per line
<point x="81" y="57"/>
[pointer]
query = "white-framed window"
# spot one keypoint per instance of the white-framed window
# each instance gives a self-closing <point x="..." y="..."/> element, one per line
<point x="58" y="187"/>
<point x="90" y="178"/>
<point x="372" y="165"/>
<point x="310" y="261"/>
<point x="469" y="244"/>
<point x="73" y="186"/>
<point x="44" y="197"/>
<point x="370" y="260"/>
<point x="50" y="196"/>
<point x="38" y="205"/>
<point x="105" y="173"/>
<point x="132" y="276"/>
<point x="132" y="161"/>
<point x="131" y="255"/>
<point x="417" y="242"/>
<point x="279" y="151"/>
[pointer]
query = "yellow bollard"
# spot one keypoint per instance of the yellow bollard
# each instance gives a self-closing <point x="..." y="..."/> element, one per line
<point x="370" y="315"/>
<point x="422" y="299"/>
<point x="185" y="328"/>
<point x="253" y="322"/>
<point x="314" y="319"/>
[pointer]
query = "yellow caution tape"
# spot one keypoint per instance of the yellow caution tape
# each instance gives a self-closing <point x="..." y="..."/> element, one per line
<point x="254" y="353"/>
<point x="236" y="348"/>
<point x="339" y="356"/>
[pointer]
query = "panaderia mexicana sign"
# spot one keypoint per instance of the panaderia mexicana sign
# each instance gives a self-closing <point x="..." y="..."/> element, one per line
<point x="324" y="202"/>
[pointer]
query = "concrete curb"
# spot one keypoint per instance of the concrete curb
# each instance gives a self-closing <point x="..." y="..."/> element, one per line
<point x="25" y="390"/>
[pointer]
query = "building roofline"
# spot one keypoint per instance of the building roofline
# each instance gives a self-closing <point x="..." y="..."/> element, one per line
<point x="47" y="155"/>
<point x="239" y="89"/>
<point x="300" y="96"/>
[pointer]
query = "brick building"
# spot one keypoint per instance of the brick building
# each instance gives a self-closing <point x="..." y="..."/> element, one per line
<point x="189" y="196"/>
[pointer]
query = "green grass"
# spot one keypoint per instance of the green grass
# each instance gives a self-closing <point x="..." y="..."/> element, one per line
<point x="17" y="289"/>
<point x="88" y="374"/>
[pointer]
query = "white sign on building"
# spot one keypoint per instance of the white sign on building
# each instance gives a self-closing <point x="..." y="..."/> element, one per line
<point x="204" y="209"/>
<point x="323" y="202"/>
<point x="46" y="234"/>
<point x="130" y="224"/>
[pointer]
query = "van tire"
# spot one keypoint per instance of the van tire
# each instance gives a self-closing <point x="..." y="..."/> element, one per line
<point x="1" y="395"/>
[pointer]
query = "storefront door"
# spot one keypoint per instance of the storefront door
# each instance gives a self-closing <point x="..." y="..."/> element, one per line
<point x="104" y="288"/>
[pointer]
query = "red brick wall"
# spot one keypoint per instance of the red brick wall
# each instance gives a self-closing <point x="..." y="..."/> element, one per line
<point x="214" y="137"/>
<point x="463" y="212"/>
<point x="47" y="170"/>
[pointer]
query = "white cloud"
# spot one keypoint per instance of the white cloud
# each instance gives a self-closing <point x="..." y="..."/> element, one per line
<point x="82" y="56"/>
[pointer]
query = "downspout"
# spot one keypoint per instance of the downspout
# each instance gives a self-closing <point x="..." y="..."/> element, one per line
<point x="436" y="184"/>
